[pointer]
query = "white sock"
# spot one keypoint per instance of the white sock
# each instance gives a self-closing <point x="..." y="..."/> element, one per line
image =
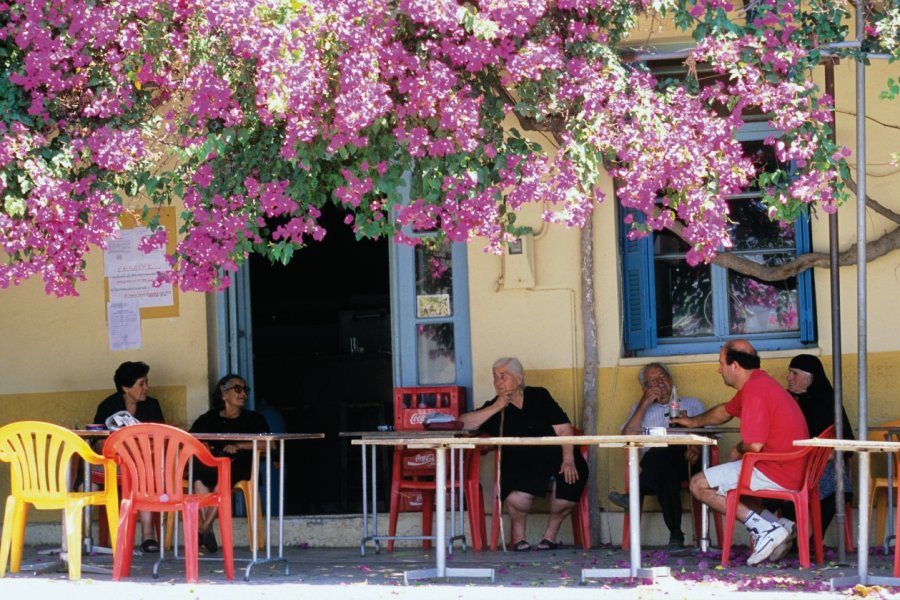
<point x="768" y="516"/>
<point x="756" y="524"/>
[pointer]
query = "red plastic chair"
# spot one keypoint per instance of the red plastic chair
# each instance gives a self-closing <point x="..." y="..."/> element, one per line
<point x="413" y="475"/>
<point x="698" y="525"/>
<point x="806" y="499"/>
<point x="581" y="524"/>
<point x="154" y="460"/>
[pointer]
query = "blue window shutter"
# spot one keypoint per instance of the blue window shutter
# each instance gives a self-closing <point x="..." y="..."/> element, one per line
<point x="638" y="295"/>
<point x="805" y="282"/>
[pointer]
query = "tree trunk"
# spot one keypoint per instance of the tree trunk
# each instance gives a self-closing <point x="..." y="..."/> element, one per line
<point x="591" y="360"/>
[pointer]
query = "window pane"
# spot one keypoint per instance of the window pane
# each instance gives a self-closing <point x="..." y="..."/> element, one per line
<point x="666" y="242"/>
<point x="762" y="307"/>
<point x="434" y="279"/>
<point x="753" y="230"/>
<point x="437" y="354"/>
<point x="683" y="299"/>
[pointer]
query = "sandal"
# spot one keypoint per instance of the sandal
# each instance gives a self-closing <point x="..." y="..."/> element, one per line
<point x="546" y="544"/>
<point x="521" y="546"/>
<point x="149" y="546"/>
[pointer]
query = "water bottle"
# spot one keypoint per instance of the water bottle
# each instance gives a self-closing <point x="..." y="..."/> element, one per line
<point x="674" y="406"/>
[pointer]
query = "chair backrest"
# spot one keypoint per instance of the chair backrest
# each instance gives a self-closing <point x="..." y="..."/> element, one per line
<point x="40" y="457"/>
<point x="154" y="459"/>
<point x="880" y="436"/>
<point x="818" y="460"/>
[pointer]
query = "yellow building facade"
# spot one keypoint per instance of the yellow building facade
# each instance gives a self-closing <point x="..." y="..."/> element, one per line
<point x="56" y="365"/>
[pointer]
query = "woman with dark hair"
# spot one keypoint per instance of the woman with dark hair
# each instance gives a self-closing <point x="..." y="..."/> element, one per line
<point x="131" y="397"/>
<point x="227" y="415"/>
<point x="808" y="383"/>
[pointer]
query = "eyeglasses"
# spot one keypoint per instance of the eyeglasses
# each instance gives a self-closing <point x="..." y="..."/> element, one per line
<point x="238" y="389"/>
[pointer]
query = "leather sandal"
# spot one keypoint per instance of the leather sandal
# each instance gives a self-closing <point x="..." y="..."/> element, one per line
<point x="149" y="546"/>
<point x="521" y="546"/>
<point x="546" y="544"/>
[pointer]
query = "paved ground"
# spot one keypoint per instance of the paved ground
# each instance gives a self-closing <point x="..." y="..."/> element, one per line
<point x="335" y="574"/>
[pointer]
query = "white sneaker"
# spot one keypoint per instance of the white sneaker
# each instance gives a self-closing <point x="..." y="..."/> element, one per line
<point x="785" y="546"/>
<point x="766" y="543"/>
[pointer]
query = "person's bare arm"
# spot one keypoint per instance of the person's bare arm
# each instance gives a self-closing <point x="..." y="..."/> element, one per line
<point x="714" y="416"/>
<point x="634" y="424"/>
<point x="476" y="418"/>
<point x="568" y="469"/>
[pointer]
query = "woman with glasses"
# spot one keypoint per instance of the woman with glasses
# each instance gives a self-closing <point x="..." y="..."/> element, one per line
<point x="228" y="415"/>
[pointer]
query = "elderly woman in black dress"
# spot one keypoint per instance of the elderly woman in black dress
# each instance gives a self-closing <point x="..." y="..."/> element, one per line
<point x="132" y="384"/>
<point x="227" y="415"/>
<point x="808" y="383"/>
<point x="527" y="472"/>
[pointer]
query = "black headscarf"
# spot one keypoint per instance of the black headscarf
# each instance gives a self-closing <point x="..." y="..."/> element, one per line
<point x="817" y="402"/>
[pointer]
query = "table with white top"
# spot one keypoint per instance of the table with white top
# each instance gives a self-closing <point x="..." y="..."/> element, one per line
<point x="268" y="439"/>
<point x="370" y="480"/>
<point x="864" y="448"/>
<point x="633" y="443"/>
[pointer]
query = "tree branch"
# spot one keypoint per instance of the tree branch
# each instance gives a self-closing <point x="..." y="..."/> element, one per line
<point x="874" y="249"/>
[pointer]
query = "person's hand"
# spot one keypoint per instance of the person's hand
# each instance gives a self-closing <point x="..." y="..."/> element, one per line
<point x="568" y="470"/>
<point x="651" y="395"/>
<point x="682" y="422"/>
<point x="692" y="454"/>
<point x="735" y="454"/>
<point x="503" y="400"/>
<point x="231" y="449"/>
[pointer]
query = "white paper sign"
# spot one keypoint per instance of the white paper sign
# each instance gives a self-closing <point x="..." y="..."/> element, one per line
<point x="132" y="272"/>
<point x="124" y="324"/>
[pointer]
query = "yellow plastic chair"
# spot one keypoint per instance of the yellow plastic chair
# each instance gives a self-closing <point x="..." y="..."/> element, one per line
<point x="40" y="457"/>
<point x="878" y="486"/>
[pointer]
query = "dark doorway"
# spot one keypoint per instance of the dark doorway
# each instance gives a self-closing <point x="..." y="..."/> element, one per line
<point x="322" y="358"/>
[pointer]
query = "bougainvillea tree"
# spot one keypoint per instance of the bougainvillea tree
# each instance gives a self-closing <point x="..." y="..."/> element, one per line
<point x="257" y="113"/>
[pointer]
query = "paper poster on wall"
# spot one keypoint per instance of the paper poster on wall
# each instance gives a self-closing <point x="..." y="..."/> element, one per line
<point x="132" y="272"/>
<point x="124" y="325"/>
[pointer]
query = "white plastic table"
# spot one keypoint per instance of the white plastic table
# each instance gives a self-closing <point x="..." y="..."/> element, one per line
<point x="633" y="443"/>
<point x="864" y="448"/>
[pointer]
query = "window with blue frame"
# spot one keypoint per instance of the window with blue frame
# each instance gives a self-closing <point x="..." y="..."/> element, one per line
<point x="672" y="308"/>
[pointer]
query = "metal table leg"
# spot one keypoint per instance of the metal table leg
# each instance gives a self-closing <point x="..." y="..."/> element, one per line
<point x="634" y="514"/>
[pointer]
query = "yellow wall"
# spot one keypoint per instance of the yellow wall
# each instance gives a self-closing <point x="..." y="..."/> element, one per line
<point x="55" y="357"/>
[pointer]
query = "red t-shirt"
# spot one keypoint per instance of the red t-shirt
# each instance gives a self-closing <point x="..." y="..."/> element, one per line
<point x="770" y="416"/>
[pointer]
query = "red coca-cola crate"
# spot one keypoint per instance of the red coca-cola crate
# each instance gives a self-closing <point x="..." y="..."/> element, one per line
<point x="412" y="404"/>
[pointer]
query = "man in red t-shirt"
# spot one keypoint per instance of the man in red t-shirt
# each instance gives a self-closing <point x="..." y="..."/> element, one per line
<point x="770" y="422"/>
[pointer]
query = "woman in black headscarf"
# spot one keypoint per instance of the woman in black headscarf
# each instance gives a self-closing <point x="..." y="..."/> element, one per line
<point x="808" y="383"/>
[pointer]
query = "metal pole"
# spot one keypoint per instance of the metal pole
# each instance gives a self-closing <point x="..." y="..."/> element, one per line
<point x="836" y="351"/>
<point x="862" y="554"/>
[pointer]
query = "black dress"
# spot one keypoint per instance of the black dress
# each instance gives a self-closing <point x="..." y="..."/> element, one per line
<point x="531" y="468"/>
<point x="147" y="411"/>
<point x="241" y="461"/>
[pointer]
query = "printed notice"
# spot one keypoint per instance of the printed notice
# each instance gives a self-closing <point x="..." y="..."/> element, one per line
<point x="124" y="324"/>
<point x="132" y="273"/>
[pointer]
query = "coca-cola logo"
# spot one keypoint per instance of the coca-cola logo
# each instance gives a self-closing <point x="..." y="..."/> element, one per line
<point x="423" y="458"/>
<point x="417" y="419"/>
